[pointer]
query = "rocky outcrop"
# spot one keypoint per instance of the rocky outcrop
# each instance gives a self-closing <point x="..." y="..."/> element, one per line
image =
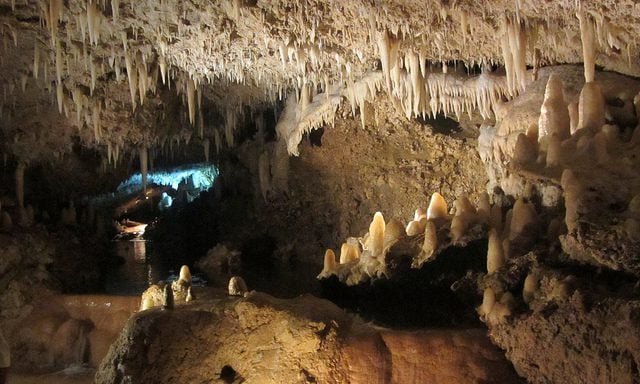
<point x="260" y="339"/>
<point x="569" y="325"/>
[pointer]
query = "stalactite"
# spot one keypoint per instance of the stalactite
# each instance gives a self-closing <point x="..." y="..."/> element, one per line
<point x="115" y="9"/>
<point x="36" y="58"/>
<point x="206" y="144"/>
<point x="60" y="96"/>
<point x="191" y="101"/>
<point x="55" y="13"/>
<point x="144" y="165"/>
<point x="587" y="37"/>
<point x="132" y="78"/>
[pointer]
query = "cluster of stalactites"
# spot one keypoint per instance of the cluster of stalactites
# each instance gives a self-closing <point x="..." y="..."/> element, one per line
<point x="423" y="92"/>
<point x="514" y="50"/>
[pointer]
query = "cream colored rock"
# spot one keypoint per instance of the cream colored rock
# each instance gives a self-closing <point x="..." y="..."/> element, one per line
<point x="495" y="252"/>
<point x="416" y="227"/>
<point x="524" y="218"/>
<point x="185" y="274"/>
<point x="430" y="244"/>
<point x="375" y="242"/>
<point x="488" y="301"/>
<point x="437" y="207"/>
<point x="591" y="108"/>
<point x="237" y="286"/>
<point x="554" y="116"/>
<point x="531" y="286"/>
<point x="330" y="264"/>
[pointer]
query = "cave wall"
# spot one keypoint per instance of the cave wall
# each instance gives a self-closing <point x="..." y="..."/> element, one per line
<point x="338" y="182"/>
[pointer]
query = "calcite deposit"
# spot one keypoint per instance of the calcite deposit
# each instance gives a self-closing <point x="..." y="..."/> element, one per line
<point x="489" y="147"/>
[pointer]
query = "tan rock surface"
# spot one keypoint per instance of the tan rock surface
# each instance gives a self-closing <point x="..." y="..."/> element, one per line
<point x="268" y="340"/>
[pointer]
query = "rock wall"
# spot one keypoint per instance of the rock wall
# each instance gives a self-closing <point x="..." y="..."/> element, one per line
<point x="567" y="310"/>
<point x="345" y="174"/>
<point x="47" y="330"/>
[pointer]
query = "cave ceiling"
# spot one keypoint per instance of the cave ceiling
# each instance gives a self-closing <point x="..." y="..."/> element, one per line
<point x="116" y="75"/>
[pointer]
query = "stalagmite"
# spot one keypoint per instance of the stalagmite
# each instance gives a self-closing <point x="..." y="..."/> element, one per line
<point x="147" y="303"/>
<point x="185" y="274"/>
<point x="416" y="227"/>
<point x="554" y="152"/>
<point x="522" y="220"/>
<point x="375" y="242"/>
<point x="525" y="152"/>
<point x="144" y="160"/>
<point x="430" y="244"/>
<point x="330" y="264"/>
<point x="488" y="301"/>
<point x="572" y="191"/>
<point x="573" y="116"/>
<point x="237" y="286"/>
<point x="599" y="143"/>
<point x="495" y="219"/>
<point x="591" y="108"/>
<point x="463" y="205"/>
<point x="459" y="226"/>
<point x="167" y="297"/>
<point x="437" y="207"/>
<point x="484" y="207"/>
<point x="554" y="114"/>
<point x="393" y="231"/>
<point x="495" y="252"/>
<point x="20" y="168"/>
<point x="349" y="253"/>
<point x="531" y="285"/>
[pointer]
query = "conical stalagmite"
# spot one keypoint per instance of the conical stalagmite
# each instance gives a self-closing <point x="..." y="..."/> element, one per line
<point x="437" y="207"/>
<point x="488" y="301"/>
<point x="523" y="218"/>
<point x="495" y="253"/>
<point x="572" y="191"/>
<point x="330" y="264"/>
<point x="430" y="244"/>
<point x="375" y="243"/>
<point x="591" y="108"/>
<point x="554" y="115"/>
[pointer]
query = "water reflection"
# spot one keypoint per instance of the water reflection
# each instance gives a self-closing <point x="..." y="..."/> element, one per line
<point x="137" y="270"/>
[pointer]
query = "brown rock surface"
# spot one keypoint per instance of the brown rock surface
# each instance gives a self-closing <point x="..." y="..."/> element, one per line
<point x="268" y="340"/>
